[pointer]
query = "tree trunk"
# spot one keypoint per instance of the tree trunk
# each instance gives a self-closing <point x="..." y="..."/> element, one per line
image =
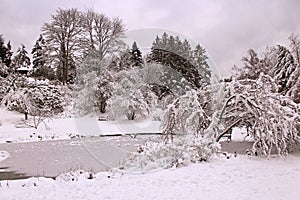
<point x="103" y="106"/>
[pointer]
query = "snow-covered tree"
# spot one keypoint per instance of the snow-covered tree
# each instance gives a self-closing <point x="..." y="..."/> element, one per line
<point x="89" y="73"/>
<point x="9" y="54"/>
<point x="5" y="53"/>
<point x="40" y="65"/>
<point x="254" y="65"/>
<point x="278" y="62"/>
<point x="7" y="59"/>
<point x="295" y="47"/>
<point x="136" y="55"/>
<point x="295" y="92"/>
<point x="178" y="56"/>
<point x="39" y="53"/>
<point x="284" y="69"/>
<point x="37" y="99"/>
<point x="185" y="116"/>
<point x="272" y="119"/>
<point x="131" y="97"/>
<point x="21" y="59"/>
<point x="199" y="59"/>
<point x="294" y="80"/>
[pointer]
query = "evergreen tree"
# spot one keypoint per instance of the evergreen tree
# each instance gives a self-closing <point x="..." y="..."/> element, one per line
<point x="9" y="53"/>
<point x="39" y="56"/>
<point x="177" y="55"/>
<point x="39" y="53"/>
<point x="136" y="55"/>
<point x="4" y="51"/>
<point x="284" y="69"/>
<point x="200" y="61"/>
<point x="21" y="59"/>
<point x="253" y="66"/>
<point x="4" y="54"/>
<point x="3" y="48"/>
<point x="186" y="49"/>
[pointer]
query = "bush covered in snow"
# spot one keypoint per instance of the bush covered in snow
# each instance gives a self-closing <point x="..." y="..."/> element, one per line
<point x="185" y="140"/>
<point x="180" y="152"/>
<point x="272" y="119"/>
<point x="185" y="116"/>
<point x="34" y="98"/>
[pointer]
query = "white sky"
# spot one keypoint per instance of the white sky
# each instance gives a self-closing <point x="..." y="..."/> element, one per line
<point x="226" y="28"/>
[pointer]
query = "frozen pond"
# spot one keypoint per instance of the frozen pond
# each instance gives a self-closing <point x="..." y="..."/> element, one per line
<point x="51" y="158"/>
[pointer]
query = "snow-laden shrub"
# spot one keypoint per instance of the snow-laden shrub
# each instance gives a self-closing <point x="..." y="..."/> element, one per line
<point x="84" y="95"/>
<point x="180" y="152"/>
<point x="131" y="98"/>
<point x="273" y="119"/>
<point x="185" y="116"/>
<point x="35" y="99"/>
<point x="77" y="175"/>
<point x="184" y="127"/>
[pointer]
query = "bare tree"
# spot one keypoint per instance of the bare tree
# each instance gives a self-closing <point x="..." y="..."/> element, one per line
<point x="103" y="35"/>
<point x="63" y="37"/>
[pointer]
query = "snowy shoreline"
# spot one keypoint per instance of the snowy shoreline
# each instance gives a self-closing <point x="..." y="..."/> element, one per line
<point x="67" y="128"/>
<point x="235" y="178"/>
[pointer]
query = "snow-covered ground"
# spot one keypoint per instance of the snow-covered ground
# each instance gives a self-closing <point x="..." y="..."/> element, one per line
<point x="13" y="129"/>
<point x="242" y="177"/>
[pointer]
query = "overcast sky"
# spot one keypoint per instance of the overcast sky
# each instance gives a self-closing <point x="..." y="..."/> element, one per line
<point x="226" y="28"/>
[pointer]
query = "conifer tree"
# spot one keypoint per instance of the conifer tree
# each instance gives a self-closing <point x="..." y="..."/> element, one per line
<point x="21" y="59"/>
<point x="39" y="53"/>
<point x="284" y="69"/>
<point x="8" y="57"/>
<point x="200" y="61"/>
<point x="170" y="51"/>
<point x="136" y="55"/>
<point x="5" y="52"/>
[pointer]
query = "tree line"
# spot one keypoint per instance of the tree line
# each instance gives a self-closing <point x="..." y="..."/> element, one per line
<point x="65" y="41"/>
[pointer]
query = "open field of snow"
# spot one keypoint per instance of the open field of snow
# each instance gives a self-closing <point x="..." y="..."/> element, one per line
<point x="242" y="177"/>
